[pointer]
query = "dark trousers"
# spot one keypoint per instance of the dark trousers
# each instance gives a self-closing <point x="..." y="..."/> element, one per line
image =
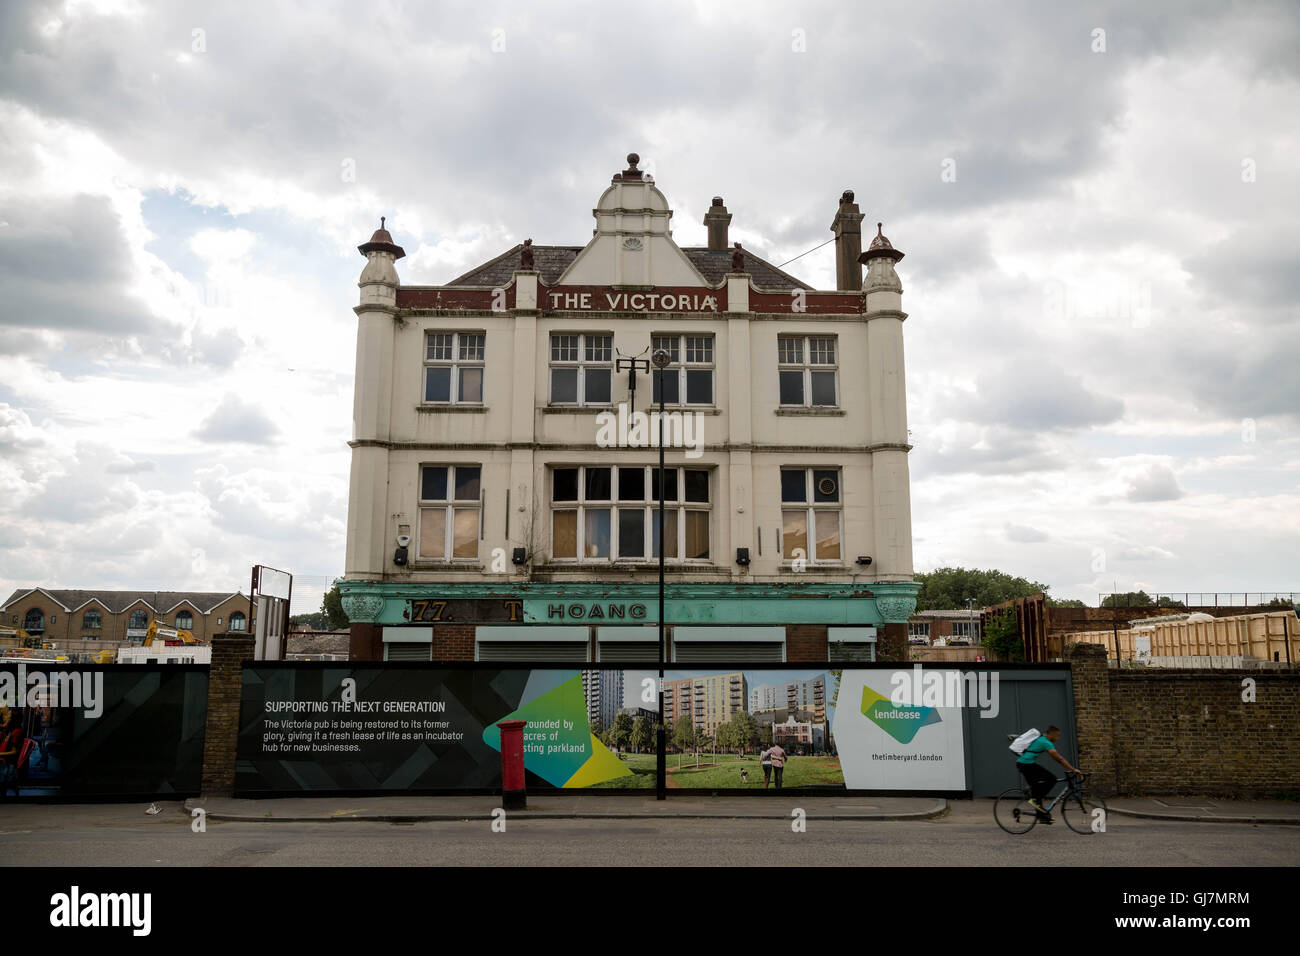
<point x="1040" y="779"/>
<point x="776" y="772"/>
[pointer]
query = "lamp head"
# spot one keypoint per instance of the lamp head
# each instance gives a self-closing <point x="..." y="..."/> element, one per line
<point x="660" y="358"/>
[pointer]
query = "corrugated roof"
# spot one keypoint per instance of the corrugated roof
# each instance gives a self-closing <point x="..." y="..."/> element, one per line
<point x="551" y="261"/>
<point x="118" y="601"/>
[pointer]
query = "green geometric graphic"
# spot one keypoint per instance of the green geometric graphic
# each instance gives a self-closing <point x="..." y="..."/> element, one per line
<point x="558" y="743"/>
<point x="901" y="723"/>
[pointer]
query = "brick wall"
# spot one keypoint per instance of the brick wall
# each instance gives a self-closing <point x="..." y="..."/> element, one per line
<point x="1191" y="732"/>
<point x="806" y="644"/>
<point x="225" y="684"/>
<point x="453" y="642"/>
<point x="63" y="626"/>
<point x="891" y="642"/>
<point x="1168" y="731"/>
<point x="1092" y="714"/>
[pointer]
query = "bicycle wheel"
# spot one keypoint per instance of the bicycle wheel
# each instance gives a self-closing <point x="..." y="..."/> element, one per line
<point x="1084" y="813"/>
<point x="1013" y="812"/>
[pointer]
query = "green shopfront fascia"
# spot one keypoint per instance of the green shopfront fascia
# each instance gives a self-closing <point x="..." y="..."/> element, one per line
<point x="584" y="621"/>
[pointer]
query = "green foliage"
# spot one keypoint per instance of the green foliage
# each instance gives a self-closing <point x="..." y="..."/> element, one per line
<point x="331" y="606"/>
<point x="1065" y="602"/>
<point x="314" y="622"/>
<point x="683" y="733"/>
<point x="620" y="734"/>
<point x="1140" y="599"/>
<point x="740" y="733"/>
<point x="1002" y="637"/>
<point x="951" y="588"/>
<point x="642" y="736"/>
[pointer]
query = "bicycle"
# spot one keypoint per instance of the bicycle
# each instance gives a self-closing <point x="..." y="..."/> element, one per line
<point x="1014" y="813"/>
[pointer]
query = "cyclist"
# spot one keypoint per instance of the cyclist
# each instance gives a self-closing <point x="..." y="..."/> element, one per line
<point x="1040" y="779"/>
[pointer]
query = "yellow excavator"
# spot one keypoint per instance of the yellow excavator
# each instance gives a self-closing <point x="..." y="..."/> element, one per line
<point x="163" y="634"/>
<point x="168" y="635"/>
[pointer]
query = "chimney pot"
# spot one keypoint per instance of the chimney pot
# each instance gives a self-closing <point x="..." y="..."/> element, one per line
<point x="717" y="220"/>
<point x="847" y="227"/>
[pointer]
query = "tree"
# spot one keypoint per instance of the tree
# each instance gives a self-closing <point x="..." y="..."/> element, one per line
<point x="1140" y="599"/>
<point x="683" y="733"/>
<point x="950" y="588"/>
<point x="744" y="732"/>
<point x="1065" y="602"/>
<point x="1002" y="637"/>
<point x="642" y="734"/>
<point x="331" y="606"/>
<point x="315" y="621"/>
<point x="620" y="735"/>
<point x="726" y="735"/>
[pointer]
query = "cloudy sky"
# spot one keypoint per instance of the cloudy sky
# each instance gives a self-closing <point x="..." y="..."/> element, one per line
<point x="1099" y="205"/>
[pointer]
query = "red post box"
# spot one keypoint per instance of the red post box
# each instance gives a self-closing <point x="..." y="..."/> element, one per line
<point x="513" y="795"/>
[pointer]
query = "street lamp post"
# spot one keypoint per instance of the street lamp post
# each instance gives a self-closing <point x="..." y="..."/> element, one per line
<point x="661" y="359"/>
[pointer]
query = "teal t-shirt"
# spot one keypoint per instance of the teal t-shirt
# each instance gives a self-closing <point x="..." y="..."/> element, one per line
<point x="1040" y="745"/>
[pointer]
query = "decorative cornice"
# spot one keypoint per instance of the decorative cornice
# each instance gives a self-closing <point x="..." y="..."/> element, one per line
<point x="360" y="607"/>
<point x="376" y="591"/>
<point x="560" y="446"/>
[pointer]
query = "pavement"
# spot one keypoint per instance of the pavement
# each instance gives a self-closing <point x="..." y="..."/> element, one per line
<point x="566" y="807"/>
<point x="698" y="807"/>
<point x="1207" y="810"/>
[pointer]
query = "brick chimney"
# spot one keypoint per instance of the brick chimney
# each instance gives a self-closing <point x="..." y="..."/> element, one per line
<point x="717" y="219"/>
<point x="847" y="227"/>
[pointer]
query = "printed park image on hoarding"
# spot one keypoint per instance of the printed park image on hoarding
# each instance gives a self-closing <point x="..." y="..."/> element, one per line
<point x="718" y="725"/>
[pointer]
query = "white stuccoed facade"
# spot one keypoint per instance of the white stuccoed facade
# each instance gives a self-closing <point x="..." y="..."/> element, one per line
<point x="618" y="285"/>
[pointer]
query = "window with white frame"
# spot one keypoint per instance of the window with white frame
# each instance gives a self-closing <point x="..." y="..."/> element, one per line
<point x="582" y="369"/>
<point x="453" y="367"/>
<point x="184" y="620"/>
<point x="688" y="382"/>
<point x="918" y="630"/>
<point x="808" y="370"/>
<point x="811" y="507"/>
<point x="450" y="507"/>
<point x="238" y="622"/>
<point x="611" y="513"/>
<point x="966" y="630"/>
<point x="92" y="620"/>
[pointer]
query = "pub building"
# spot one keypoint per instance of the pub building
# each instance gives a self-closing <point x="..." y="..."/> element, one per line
<point x="505" y="481"/>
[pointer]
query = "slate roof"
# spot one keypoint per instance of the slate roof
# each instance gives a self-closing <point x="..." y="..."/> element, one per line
<point x="551" y="261"/>
<point x="118" y="601"/>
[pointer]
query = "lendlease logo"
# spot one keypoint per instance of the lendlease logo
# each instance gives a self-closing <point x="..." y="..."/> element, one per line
<point x="946" y="688"/>
<point x="77" y="909"/>
<point x="634" y="429"/>
<point x="60" y="689"/>
<point x="900" y="722"/>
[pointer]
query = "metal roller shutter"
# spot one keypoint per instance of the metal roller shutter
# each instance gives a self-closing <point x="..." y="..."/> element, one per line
<point x="863" y="653"/>
<point x="408" y="652"/>
<point x="629" y="652"/>
<point x="509" y="651"/>
<point x="696" y="652"/>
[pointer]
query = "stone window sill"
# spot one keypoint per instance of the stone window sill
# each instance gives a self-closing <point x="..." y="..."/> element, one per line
<point x="812" y="412"/>
<point x="461" y="409"/>
<point x="577" y="409"/>
<point x="816" y="567"/>
<point x="444" y="566"/>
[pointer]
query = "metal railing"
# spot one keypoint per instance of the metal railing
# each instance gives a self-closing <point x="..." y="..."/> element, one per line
<point x="1174" y="599"/>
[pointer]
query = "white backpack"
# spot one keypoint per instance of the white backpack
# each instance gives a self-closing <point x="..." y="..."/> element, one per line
<point x="1024" y="740"/>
